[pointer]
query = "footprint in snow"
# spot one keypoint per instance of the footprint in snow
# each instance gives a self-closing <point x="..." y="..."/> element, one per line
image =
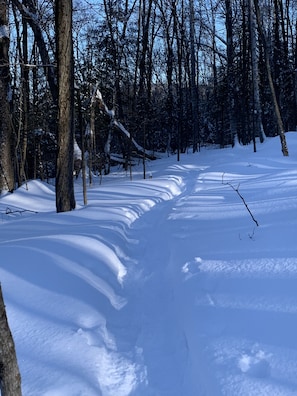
<point x="191" y="268"/>
<point x="255" y="364"/>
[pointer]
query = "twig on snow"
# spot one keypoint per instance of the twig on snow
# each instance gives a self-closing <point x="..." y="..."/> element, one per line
<point x="9" y="211"/>
<point x="242" y="198"/>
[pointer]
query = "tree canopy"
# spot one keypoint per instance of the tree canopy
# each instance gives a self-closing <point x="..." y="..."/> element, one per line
<point x="175" y="74"/>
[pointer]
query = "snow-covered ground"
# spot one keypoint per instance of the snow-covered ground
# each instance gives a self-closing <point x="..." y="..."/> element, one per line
<point x="159" y="287"/>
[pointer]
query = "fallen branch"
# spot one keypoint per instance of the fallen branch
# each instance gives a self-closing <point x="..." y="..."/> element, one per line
<point x="242" y="198"/>
<point x="9" y="211"/>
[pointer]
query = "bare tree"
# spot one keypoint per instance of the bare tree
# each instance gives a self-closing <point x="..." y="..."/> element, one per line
<point x="65" y="200"/>
<point x="193" y="82"/>
<point x="231" y="86"/>
<point x="257" y="111"/>
<point x="144" y="83"/>
<point x="29" y="13"/>
<point x="6" y="167"/>
<point x="279" y="120"/>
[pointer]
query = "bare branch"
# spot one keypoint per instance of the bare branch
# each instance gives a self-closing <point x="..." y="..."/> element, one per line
<point x="242" y="198"/>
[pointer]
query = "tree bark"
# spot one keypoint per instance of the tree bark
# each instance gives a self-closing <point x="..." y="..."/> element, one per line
<point x="257" y="114"/>
<point x="28" y="11"/>
<point x="10" y="378"/>
<point x="166" y="23"/>
<point x="65" y="200"/>
<point x="6" y="165"/>
<point x="194" y="82"/>
<point x="25" y="102"/>
<point x="230" y="70"/>
<point x="143" y="97"/>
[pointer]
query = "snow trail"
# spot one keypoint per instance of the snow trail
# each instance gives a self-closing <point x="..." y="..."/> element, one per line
<point x="167" y="334"/>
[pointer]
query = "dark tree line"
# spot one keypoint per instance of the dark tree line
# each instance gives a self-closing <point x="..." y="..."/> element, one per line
<point x="177" y="74"/>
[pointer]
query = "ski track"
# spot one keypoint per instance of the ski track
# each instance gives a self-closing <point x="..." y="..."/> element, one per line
<point x="174" y="356"/>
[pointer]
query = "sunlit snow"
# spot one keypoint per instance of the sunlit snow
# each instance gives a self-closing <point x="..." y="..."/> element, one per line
<point x="158" y="287"/>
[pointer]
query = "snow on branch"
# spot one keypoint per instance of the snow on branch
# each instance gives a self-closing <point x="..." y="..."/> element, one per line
<point x="127" y="133"/>
<point x="4" y="31"/>
<point x="97" y="97"/>
<point x="30" y="14"/>
<point x="103" y="106"/>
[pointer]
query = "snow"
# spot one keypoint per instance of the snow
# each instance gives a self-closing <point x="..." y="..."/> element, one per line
<point x="4" y="31"/>
<point x="158" y="287"/>
<point x="77" y="151"/>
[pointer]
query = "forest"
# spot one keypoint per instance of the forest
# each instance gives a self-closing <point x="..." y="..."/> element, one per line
<point x="148" y="76"/>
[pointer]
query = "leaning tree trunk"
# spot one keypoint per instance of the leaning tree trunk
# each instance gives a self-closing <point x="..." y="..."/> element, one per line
<point x="279" y="120"/>
<point x="10" y="378"/>
<point x="65" y="200"/>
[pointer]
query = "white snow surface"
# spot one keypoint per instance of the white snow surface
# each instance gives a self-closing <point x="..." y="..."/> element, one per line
<point x="158" y="287"/>
<point x="4" y="31"/>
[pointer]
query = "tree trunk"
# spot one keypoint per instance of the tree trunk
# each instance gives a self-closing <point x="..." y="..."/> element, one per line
<point x="143" y="97"/>
<point x="82" y="132"/>
<point x="25" y="101"/>
<point x="295" y="80"/>
<point x="257" y="111"/>
<point x="10" y="378"/>
<point x="65" y="200"/>
<point x="92" y="145"/>
<point x="281" y="129"/>
<point x="169" y="38"/>
<point x="6" y="167"/>
<point x="194" y="82"/>
<point x="230" y="70"/>
<point x="28" y="11"/>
